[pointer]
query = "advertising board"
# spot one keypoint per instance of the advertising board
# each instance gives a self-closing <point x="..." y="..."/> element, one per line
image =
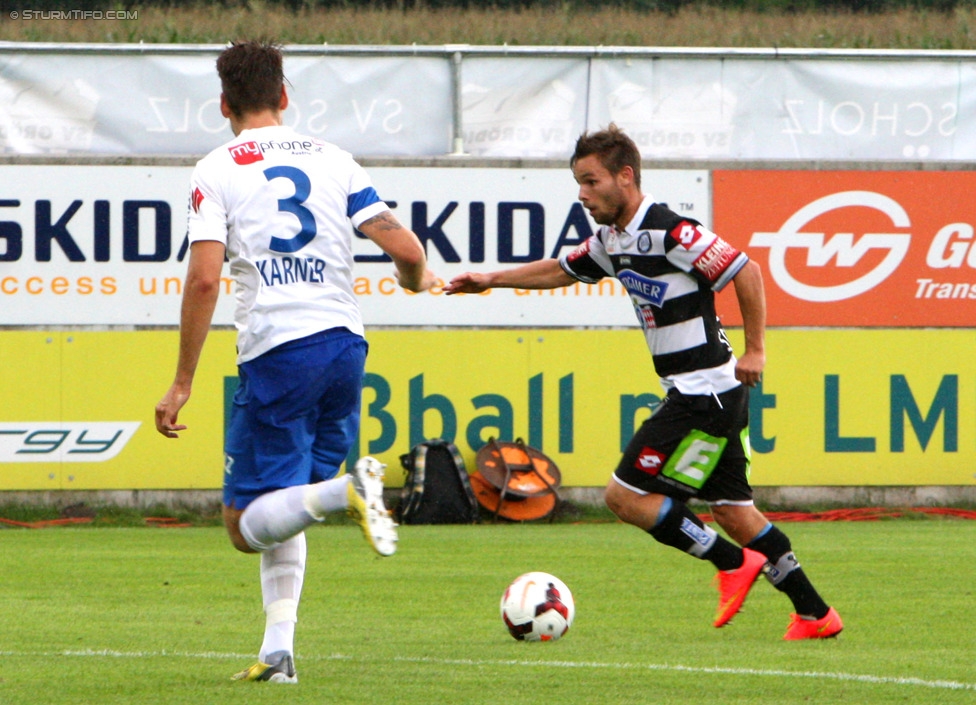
<point x="836" y="407"/>
<point x="106" y="245"/>
<point x="855" y="248"/>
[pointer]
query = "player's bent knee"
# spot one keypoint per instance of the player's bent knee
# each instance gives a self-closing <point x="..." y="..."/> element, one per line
<point x="623" y="502"/>
<point x="612" y="497"/>
<point x="239" y="543"/>
<point x="232" y="522"/>
<point x="741" y="522"/>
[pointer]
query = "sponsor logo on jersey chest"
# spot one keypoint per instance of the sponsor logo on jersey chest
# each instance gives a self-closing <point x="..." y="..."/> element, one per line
<point x="651" y="290"/>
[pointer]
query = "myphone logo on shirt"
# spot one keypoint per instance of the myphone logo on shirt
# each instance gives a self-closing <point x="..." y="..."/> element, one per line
<point x="852" y="248"/>
<point x="246" y="153"/>
<point x="250" y="152"/>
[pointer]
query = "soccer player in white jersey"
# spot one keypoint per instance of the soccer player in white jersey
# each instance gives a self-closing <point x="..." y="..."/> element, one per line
<point x="282" y="207"/>
<point x="695" y="444"/>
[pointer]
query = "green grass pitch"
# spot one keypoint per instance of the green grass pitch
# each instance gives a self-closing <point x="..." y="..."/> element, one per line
<point x="149" y="615"/>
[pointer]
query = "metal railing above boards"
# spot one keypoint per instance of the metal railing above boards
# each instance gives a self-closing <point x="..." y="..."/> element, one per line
<point x="509" y="163"/>
<point x="447" y="50"/>
<point x="681" y="105"/>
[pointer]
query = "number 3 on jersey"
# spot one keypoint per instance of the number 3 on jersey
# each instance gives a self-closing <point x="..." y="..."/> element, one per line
<point x="293" y="205"/>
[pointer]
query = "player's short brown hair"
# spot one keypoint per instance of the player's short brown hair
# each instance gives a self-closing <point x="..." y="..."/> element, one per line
<point x="251" y="76"/>
<point x="614" y="149"/>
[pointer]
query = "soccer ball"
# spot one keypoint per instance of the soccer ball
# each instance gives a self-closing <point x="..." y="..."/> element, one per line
<point x="537" y="607"/>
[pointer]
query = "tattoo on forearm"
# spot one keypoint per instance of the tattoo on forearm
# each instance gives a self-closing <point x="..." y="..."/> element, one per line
<point x="384" y="221"/>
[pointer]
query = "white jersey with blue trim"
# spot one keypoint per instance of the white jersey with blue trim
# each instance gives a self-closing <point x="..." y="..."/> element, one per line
<point x="285" y="206"/>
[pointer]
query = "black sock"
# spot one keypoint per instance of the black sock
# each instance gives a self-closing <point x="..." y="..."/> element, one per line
<point x="682" y="529"/>
<point x="786" y="575"/>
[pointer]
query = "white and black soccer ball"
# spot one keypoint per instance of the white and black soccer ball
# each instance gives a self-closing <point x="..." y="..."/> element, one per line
<point x="537" y="607"/>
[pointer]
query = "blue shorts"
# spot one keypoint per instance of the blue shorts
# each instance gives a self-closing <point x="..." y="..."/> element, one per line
<point x="295" y="415"/>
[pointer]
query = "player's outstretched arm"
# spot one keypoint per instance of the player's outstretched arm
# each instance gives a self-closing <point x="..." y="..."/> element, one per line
<point x="541" y="274"/>
<point x="404" y="248"/>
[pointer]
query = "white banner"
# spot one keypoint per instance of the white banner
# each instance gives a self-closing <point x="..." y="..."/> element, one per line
<point x="813" y="109"/>
<point x="529" y="103"/>
<point x="105" y="245"/>
<point x="169" y="104"/>
<point x="523" y="108"/>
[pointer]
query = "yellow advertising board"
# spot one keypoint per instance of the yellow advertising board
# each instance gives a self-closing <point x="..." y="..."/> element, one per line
<point x="838" y="407"/>
<point x="77" y="411"/>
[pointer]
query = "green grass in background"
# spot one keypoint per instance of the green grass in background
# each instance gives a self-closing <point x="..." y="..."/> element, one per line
<point x="166" y="616"/>
<point x="559" y="24"/>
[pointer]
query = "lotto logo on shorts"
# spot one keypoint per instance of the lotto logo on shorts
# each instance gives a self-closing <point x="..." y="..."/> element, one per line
<point x="650" y="461"/>
<point x="246" y="153"/>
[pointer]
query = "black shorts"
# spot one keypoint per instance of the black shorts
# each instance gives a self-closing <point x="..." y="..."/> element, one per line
<point x="692" y="446"/>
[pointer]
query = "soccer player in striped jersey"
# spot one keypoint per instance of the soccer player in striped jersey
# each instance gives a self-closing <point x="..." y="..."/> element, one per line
<point x="695" y="444"/>
<point x="281" y="206"/>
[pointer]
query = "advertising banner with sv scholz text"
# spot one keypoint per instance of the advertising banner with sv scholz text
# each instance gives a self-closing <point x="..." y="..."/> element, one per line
<point x="836" y="407"/>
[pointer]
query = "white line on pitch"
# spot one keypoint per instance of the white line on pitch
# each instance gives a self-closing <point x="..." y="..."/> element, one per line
<point x="679" y="668"/>
<point x="851" y="677"/>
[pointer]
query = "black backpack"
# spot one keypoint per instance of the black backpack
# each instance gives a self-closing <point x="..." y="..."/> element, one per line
<point x="436" y="489"/>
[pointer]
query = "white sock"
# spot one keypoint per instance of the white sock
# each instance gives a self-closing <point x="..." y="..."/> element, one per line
<point x="275" y="517"/>
<point x="329" y="496"/>
<point x="279" y="515"/>
<point x="282" y="575"/>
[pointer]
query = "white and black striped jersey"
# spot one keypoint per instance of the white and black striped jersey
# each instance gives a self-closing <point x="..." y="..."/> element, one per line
<point x="671" y="266"/>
